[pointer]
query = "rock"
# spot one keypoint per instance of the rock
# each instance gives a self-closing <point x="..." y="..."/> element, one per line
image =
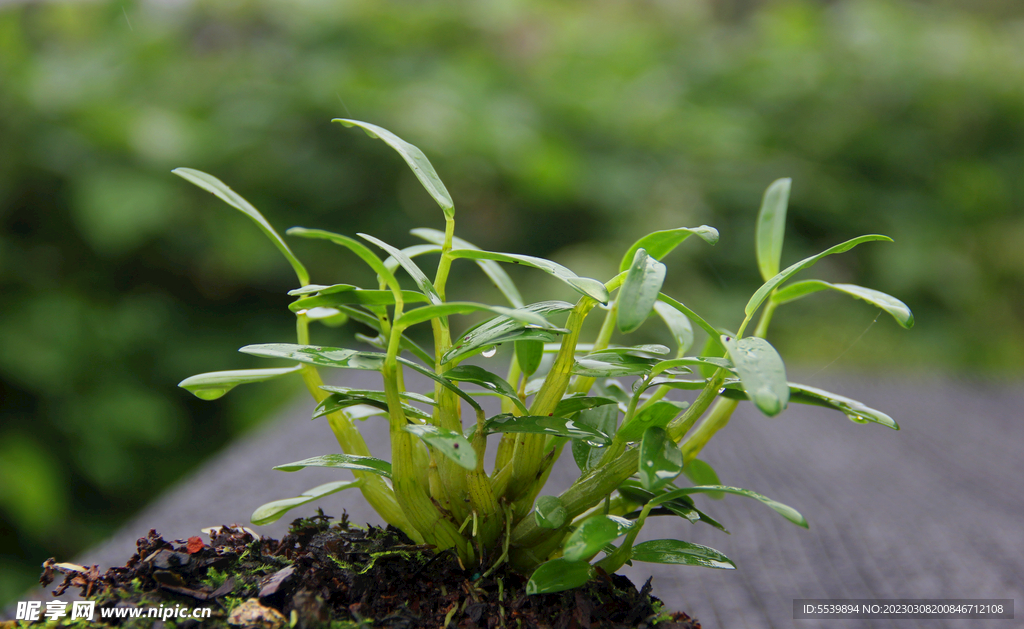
<point x="252" y="613"/>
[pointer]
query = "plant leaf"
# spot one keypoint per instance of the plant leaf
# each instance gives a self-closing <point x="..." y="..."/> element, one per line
<point x="761" y="371"/>
<point x="762" y="293"/>
<point x="355" y="247"/>
<point x="416" y="160"/>
<point x="785" y="511"/>
<point x="855" y="411"/>
<point x="491" y="268"/>
<point x="341" y="461"/>
<point x="210" y="386"/>
<point x="603" y="419"/>
<point x="220" y="189"/>
<point x="272" y="511"/>
<point x="359" y="296"/>
<point x="661" y="460"/>
<point x="404" y="342"/>
<point x="343" y="398"/>
<point x="888" y="303"/>
<point x="503" y="329"/>
<point x="529" y="355"/>
<point x="550" y="512"/>
<point x="701" y="473"/>
<point x="584" y="285"/>
<point x="447" y="442"/>
<point x="612" y="366"/>
<point x="558" y="426"/>
<point x="676" y="551"/>
<point x="426" y="286"/>
<point x="426" y="313"/>
<point x="660" y="243"/>
<point x="639" y="291"/>
<point x="483" y="378"/>
<point x="678" y="324"/>
<point x="319" y="356"/>
<point x="771" y="227"/>
<point x="658" y="415"/>
<point x="693" y="316"/>
<point x="681" y="506"/>
<point x="558" y="575"/>
<point x="410" y="252"/>
<point x="574" y="404"/>
<point x="592" y="535"/>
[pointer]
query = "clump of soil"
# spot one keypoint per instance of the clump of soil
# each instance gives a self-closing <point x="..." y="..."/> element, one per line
<point x="324" y="575"/>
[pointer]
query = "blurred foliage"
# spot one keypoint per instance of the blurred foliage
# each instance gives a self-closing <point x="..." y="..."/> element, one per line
<point x="562" y="129"/>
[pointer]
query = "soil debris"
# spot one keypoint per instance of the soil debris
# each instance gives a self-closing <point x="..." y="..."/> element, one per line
<point x="340" y="576"/>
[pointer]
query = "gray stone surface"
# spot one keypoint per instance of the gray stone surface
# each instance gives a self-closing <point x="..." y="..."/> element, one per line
<point x="934" y="510"/>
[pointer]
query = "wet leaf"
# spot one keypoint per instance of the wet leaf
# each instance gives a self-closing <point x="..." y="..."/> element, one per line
<point x="762" y="293"/>
<point x="660" y="243"/>
<point x="785" y="511"/>
<point x="550" y="512"/>
<point x="678" y="324"/>
<point x="491" y="268"/>
<point x="210" y="386"/>
<point x="855" y="411"/>
<point x="358" y="296"/>
<point x="558" y="575"/>
<point x="417" y="275"/>
<point x="416" y="160"/>
<point x="771" y="227"/>
<point x="341" y="461"/>
<point x="691" y="315"/>
<point x="577" y="403"/>
<point x="483" y="378"/>
<point x="221" y="190"/>
<point x="701" y="473"/>
<point x="343" y="398"/>
<point x="661" y="460"/>
<point x="761" y="372"/>
<point x="603" y="419"/>
<point x="658" y="414"/>
<point x="529" y="355"/>
<point x="558" y="426"/>
<point x="613" y="353"/>
<point x="447" y="442"/>
<point x="674" y="551"/>
<point x="612" y="365"/>
<point x="888" y="303"/>
<point x="426" y="313"/>
<point x="591" y="536"/>
<point x="272" y="511"/>
<point x="584" y="285"/>
<point x="320" y="356"/>
<point x="504" y="329"/>
<point x="639" y="291"/>
<point x="355" y="247"/>
<point x="681" y="506"/>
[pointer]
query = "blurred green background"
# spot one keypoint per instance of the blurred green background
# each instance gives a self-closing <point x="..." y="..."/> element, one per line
<point x="563" y="129"/>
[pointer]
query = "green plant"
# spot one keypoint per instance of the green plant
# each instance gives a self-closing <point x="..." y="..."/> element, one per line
<point x="630" y="442"/>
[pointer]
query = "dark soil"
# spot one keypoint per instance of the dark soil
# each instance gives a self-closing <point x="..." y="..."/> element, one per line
<point x="339" y="576"/>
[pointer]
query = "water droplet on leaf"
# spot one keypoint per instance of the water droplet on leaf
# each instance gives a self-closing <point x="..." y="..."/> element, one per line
<point x="487" y="353"/>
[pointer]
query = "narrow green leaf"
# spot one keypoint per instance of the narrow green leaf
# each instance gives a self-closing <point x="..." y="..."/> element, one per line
<point x="447" y="442"/>
<point x="272" y="511"/>
<point x="762" y="293"/>
<point x="771" y="227"/>
<point x="426" y="313"/>
<point x="674" y="551"/>
<point x="592" y="535"/>
<point x="661" y="460"/>
<point x="855" y="411"/>
<point x="343" y="462"/>
<point x="355" y="247"/>
<point x="701" y="473"/>
<point x="785" y="511"/>
<point x="529" y="355"/>
<point x="888" y="303"/>
<point x="220" y="189"/>
<point x="503" y="329"/>
<point x="603" y="419"/>
<point x="681" y="506"/>
<point x="343" y="398"/>
<point x="572" y="405"/>
<point x="658" y="414"/>
<point x="319" y="356"/>
<point x="491" y="268"/>
<point x="483" y="378"/>
<point x="639" y="291"/>
<point x="426" y="286"/>
<point x="612" y="366"/>
<point x="693" y="316"/>
<point x="359" y="296"/>
<point x="404" y="342"/>
<point x="761" y="371"/>
<point x="416" y="160"/>
<point x="558" y="575"/>
<point x="210" y="386"/>
<point x="410" y="252"/>
<point x="699" y="361"/>
<point x="660" y="243"/>
<point x="612" y="354"/>
<point x="678" y="324"/>
<point x="584" y="285"/>
<point x="550" y="512"/>
<point x="558" y="426"/>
